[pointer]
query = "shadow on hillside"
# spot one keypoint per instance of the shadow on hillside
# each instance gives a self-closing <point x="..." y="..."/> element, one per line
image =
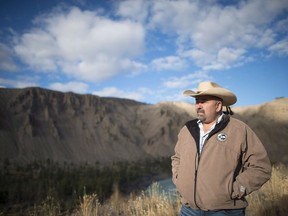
<point x="278" y="208"/>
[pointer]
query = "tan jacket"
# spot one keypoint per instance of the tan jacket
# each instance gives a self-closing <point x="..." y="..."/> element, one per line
<point x="233" y="163"/>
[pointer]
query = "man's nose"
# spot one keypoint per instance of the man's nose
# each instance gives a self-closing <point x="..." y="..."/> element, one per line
<point x="198" y="105"/>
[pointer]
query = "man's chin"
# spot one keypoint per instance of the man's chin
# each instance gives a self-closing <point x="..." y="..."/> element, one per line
<point x="201" y="118"/>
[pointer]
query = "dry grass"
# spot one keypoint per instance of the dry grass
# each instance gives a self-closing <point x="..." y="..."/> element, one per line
<point x="49" y="207"/>
<point x="154" y="202"/>
<point x="270" y="200"/>
<point x="89" y="206"/>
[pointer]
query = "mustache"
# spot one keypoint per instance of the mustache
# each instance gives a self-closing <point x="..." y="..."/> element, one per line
<point x="200" y="110"/>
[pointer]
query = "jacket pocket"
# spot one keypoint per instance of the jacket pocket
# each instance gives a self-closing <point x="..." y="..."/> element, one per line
<point x="238" y="191"/>
<point x="231" y="189"/>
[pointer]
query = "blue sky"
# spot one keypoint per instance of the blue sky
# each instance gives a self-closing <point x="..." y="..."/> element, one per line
<point x="149" y="51"/>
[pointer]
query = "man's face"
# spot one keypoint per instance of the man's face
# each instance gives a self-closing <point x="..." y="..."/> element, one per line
<point x="208" y="108"/>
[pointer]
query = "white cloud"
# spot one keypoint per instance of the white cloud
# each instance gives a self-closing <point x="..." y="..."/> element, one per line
<point x="86" y="45"/>
<point x="77" y="87"/>
<point x="82" y="44"/>
<point x="200" y="57"/>
<point x="225" y="58"/>
<point x="187" y="80"/>
<point x="20" y="82"/>
<point x="118" y="93"/>
<point x="38" y="50"/>
<point x="6" y="61"/>
<point x="93" y="47"/>
<point x="174" y="86"/>
<point x="226" y="55"/>
<point x="169" y="63"/>
<point x="266" y="39"/>
<point x="135" y="10"/>
<point x="209" y="27"/>
<point x="281" y="47"/>
<point x="178" y="16"/>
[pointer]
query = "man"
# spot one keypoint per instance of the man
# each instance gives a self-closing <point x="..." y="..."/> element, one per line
<point x="218" y="159"/>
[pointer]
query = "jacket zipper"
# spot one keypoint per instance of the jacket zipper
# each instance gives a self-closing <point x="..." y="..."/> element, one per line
<point x="198" y="162"/>
<point x="194" y="130"/>
<point x="195" y="180"/>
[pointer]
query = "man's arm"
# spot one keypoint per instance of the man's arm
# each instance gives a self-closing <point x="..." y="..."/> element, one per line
<point x="175" y="165"/>
<point x="256" y="169"/>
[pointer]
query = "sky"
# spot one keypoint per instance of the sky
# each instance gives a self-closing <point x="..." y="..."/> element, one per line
<point x="146" y="50"/>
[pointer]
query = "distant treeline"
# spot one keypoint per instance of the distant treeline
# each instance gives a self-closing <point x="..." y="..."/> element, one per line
<point x="25" y="186"/>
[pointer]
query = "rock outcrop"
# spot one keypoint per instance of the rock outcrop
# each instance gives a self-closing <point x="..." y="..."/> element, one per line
<point x="40" y="124"/>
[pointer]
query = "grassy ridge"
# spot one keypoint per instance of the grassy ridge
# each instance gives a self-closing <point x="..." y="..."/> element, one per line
<point x="23" y="187"/>
<point x="270" y="200"/>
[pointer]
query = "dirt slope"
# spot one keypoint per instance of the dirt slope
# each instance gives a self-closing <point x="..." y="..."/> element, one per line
<point x="40" y="124"/>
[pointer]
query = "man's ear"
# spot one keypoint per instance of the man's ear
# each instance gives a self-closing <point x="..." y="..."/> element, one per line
<point x="219" y="106"/>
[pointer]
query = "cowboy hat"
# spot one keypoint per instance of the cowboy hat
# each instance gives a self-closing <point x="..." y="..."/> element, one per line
<point x="213" y="89"/>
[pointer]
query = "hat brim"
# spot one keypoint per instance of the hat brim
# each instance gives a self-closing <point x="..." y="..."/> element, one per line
<point x="227" y="97"/>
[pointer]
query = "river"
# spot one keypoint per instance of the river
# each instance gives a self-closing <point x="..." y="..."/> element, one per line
<point x="164" y="187"/>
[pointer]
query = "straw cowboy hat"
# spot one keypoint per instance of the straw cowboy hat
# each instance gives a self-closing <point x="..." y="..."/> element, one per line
<point x="213" y="89"/>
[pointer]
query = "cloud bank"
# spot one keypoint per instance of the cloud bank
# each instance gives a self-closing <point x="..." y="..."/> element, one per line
<point x="92" y="46"/>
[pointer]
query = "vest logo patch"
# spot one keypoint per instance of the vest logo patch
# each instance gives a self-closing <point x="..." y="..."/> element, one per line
<point x="221" y="137"/>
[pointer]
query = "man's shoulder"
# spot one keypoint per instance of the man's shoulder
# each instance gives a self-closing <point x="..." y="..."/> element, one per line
<point x="191" y="123"/>
<point x="237" y="122"/>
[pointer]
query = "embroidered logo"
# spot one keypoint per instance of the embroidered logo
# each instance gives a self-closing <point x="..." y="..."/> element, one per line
<point x="222" y="137"/>
<point x="242" y="189"/>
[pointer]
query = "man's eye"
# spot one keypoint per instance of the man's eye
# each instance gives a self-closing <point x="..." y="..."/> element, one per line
<point x="201" y="101"/>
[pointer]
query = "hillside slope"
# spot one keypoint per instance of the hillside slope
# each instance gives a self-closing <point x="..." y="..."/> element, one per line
<point x="40" y="124"/>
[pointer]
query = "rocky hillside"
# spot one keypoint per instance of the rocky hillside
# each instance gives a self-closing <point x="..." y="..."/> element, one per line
<point x="40" y="124"/>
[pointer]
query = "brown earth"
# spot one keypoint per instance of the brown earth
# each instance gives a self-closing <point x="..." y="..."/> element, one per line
<point x="40" y="124"/>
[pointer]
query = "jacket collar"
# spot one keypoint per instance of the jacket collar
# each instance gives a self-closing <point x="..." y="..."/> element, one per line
<point x="195" y="131"/>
